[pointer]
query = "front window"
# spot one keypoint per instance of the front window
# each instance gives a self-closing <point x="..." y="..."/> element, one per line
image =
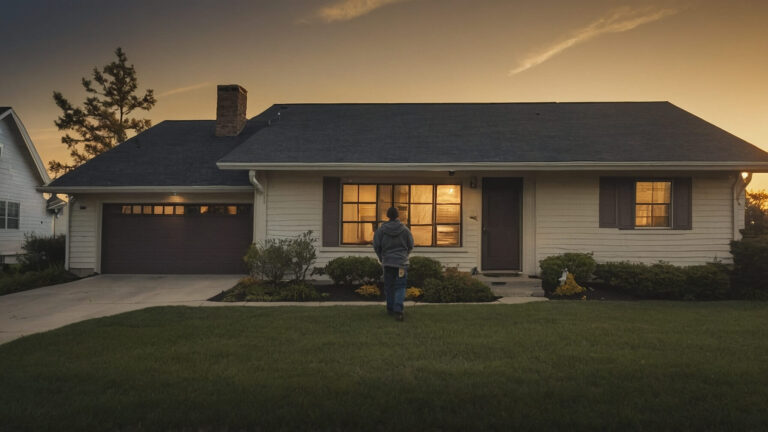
<point x="9" y="215"/>
<point x="652" y="204"/>
<point x="432" y="212"/>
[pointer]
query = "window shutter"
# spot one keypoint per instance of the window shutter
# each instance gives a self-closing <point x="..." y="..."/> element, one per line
<point x="608" y="202"/>
<point x="625" y="203"/>
<point x="331" y="199"/>
<point x="682" y="208"/>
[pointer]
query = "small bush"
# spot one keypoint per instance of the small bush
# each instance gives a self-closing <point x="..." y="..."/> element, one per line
<point x="456" y="286"/>
<point x="570" y="288"/>
<point x="42" y="252"/>
<point x="53" y="275"/>
<point x="750" y="267"/>
<point x="368" y="291"/>
<point x="274" y="259"/>
<point x="666" y="281"/>
<point x="422" y="268"/>
<point x="581" y="265"/>
<point x="352" y="270"/>
<point x="413" y="293"/>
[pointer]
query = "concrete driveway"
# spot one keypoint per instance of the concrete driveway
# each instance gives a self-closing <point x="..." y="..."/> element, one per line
<point x="51" y="307"/>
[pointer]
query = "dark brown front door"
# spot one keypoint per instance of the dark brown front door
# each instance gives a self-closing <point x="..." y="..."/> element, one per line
<point x="501" y="223"/>
<point x="175" y="239"/>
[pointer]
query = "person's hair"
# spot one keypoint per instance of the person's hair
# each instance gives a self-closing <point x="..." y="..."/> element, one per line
<point x="392" y="213"/>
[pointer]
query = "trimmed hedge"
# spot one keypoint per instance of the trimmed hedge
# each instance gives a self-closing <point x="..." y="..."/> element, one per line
<point x="750" y="267"/>
<point x="456" y="286"/>
<point x="10" y="283"/>
<point x="353" y="270"/>
<point x="581" y="265"/>
<point x="422" y="268"/>
<point x="666" y="281"/>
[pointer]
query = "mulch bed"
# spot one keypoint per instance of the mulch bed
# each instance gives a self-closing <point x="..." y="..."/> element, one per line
<point x="336" y="294"/>
<point x="599" y="292"/>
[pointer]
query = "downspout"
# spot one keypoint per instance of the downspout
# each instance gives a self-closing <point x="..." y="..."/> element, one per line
<point x="259" y="208"/>
<point x="254" y="182"/>
<point x="739" y="186"/>
<point x="70" y="201"/>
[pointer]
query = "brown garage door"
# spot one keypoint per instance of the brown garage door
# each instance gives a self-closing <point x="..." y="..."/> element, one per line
<point x="175" y="239"/>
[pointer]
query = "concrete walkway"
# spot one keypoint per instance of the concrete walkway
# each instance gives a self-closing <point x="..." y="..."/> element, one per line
<point x="47" y="308"/>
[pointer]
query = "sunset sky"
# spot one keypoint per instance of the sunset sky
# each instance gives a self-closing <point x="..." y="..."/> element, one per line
<point x="708" y="57"/>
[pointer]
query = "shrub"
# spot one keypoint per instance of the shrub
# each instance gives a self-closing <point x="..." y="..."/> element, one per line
<point x="750" y="267"/>
<point x="422" y="268"/>
<point x="273" y="259"/>
<point x="707" y="282"/>
<point x="42" y="252"/>
<point x="456" y="286"/>
<point x="34" y="279"/>
<point x="569" y="288"/>
<point x="666" y="281"/>
<point x="351" y="270"/>
<point x="253" y="290"/>
<point x="303" y="254"/>
<point x="368" y="291"/>
<point x="413" y="293"/>
<point x="580" y="264"/>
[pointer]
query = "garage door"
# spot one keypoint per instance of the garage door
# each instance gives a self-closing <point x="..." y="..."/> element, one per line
<point x="175" y="239"/>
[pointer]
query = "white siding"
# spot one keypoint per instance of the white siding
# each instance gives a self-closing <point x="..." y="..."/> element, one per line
<point x="295" y="205"/>
<point x="18" y="179"/>
<point x="567" y="221"/>
<point x="84" y="253"/>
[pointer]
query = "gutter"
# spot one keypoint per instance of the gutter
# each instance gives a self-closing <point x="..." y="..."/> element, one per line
<point x="141" y="189"/>
<point x="738" y="188"/>
<point x="494" y="166"/>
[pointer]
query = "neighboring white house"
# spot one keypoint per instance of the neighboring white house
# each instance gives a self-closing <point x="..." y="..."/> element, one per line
<point x="23" y="210"/>
<point x="496" y="187"/>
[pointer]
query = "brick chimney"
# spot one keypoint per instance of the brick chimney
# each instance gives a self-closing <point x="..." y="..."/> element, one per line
<point x="230" y="109"/>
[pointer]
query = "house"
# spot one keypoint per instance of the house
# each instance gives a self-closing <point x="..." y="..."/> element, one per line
<point x="496" y="187"/>
<point x="23" y="210"/>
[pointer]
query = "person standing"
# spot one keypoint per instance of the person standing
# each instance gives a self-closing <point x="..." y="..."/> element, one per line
<point x="393" y="243"/>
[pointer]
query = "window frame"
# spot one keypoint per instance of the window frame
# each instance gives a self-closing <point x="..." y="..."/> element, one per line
<point x="6" y="217"/>
<point x="149" y="209"/>
<point x="410" y="203"/>
<point x="670" y="205"/>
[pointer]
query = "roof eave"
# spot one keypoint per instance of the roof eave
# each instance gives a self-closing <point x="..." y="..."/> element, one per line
<point x="495" y="166"/>
<point x="143" y="189"/>
<point x="41" y="171"/>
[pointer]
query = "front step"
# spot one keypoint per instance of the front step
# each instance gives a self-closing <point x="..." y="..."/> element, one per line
<point x="510" y="285"/>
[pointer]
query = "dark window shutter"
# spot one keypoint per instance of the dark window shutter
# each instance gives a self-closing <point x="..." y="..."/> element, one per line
<point x="331" y="199"/>
<point x="608" y="202"/>
<point x="625" y="203"/>
<point x="682" y="208"/>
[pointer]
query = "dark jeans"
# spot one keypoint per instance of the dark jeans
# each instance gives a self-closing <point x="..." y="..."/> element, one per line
<point x="394" y="287"/>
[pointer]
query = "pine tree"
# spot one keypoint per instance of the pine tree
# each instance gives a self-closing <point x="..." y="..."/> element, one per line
<point x="104" y="119"/>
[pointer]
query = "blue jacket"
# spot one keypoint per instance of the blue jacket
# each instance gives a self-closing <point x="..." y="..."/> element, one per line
<point x="392" y="243"/>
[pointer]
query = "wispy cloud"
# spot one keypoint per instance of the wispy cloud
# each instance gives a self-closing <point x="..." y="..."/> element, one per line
<point x="620" y="20"/>
<point x="345" y="10"/>
<point x="186" y="89"/>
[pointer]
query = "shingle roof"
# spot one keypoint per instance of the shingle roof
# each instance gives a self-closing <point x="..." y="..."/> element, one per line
<point x="172" y="153"/>
<point x="185" y="153"/>
<point x="490" y="132"/>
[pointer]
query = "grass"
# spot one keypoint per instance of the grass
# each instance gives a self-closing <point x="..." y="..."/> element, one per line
<point x="15" y="282"/>
<point x="555" y="365"/>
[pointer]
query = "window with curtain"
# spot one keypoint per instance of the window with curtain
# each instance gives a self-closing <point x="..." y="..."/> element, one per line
<point x="432" y="212"/>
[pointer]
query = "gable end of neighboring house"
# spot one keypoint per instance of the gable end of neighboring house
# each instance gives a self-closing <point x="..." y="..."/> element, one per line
<point x="23" y="210"/>
<point x="486" y="187"/>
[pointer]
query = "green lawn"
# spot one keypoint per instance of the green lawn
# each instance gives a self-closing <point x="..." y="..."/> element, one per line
<point x="555" y="365"/>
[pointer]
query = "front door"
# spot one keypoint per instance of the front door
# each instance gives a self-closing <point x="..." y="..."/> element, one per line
<point x="502" y="202"/>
